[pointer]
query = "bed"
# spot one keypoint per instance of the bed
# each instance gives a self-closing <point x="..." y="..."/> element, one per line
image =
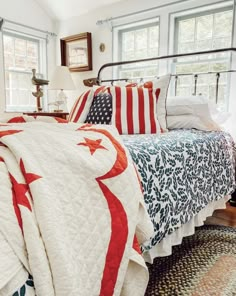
<point x="185" y="175"/>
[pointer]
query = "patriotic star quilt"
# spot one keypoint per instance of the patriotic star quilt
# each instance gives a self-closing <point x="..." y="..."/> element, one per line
<point x="72" y="213"/>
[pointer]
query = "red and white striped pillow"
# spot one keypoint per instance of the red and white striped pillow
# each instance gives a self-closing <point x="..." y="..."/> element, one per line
<point x="134" y="110"/>
<point x="161" y="83"/>
<point x="81" y="107"/>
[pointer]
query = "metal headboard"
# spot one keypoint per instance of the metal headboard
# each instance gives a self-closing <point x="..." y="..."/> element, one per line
<point x="99" y="80"/>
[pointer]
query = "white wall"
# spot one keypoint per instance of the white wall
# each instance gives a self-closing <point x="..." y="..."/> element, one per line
<point x="27" y="12"/>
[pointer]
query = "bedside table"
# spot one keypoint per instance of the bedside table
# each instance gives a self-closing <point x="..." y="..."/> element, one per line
<point x="62" y="115"/>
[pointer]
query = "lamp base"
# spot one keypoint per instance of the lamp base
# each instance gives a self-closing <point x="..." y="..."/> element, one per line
<point x="57" y="111"/>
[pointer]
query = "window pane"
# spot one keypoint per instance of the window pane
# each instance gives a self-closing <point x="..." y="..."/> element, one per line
<point x="32" y="49"/>
<point x="20" y="62"/>
<point x="153" y="37"/>
<point x="21" y="54"/>
<point x="128" y="41"/>
<point x="141" y="39"/>
<point x="20" y="47"/>
<point x="32" y="63"/>
<point x="200" y="33"/>
<point x="186" y="30"/>
<point x="138" y="42"/>
<point x="223" y="24"/>
<point x="8" y="44"/>
<point x="204" y="27"/>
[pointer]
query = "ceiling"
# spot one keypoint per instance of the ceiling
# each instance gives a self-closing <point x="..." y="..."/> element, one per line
<point x="65" y="9"/>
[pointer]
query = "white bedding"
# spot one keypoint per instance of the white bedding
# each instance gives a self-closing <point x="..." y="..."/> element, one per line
<point x="72" y="207"/>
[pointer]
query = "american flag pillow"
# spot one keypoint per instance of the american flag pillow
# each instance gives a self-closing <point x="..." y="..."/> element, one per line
<point x="81" y="107"/>
<point x="134" y="110"/>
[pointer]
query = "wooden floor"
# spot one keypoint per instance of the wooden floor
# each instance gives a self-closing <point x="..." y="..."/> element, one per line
<point x="226" y="217"/>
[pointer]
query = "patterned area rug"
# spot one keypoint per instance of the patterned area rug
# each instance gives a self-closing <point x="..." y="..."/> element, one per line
<point x="203" y="265"/>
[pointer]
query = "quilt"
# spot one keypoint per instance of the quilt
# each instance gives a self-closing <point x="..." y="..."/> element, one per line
<point x="181" y="172"/>
<point x="72" y="212"/>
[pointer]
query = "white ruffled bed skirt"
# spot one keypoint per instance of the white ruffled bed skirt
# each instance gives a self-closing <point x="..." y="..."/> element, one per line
<point x="164" y="248"/>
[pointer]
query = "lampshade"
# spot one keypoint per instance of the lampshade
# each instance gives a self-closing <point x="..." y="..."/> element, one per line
<point x="61" y="79"/>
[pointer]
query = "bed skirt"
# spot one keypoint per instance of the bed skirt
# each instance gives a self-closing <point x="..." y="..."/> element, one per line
<point x="164" y="248"/>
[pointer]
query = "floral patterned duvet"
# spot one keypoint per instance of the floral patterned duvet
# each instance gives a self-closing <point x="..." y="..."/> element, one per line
<point x="181" y="172"/>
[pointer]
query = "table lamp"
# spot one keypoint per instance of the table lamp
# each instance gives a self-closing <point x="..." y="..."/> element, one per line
<point x="61" y="80"/>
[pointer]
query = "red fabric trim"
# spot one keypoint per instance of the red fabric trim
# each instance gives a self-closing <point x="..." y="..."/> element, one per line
<point x="129" y="109"/>
<point x="9" y="132"/>
<point x="81" y="107"/>
<point x="136" y="245"/>
<point x="17" y="119"/>
<point x="118" y="110"/>
<point x="152" y="112"/>
<point x="141" y="111"/>
<point x="119" y="222"/>
<point x="17" y="210"/>
<point x="61" y="120"/>
<point x="157" y="93"/>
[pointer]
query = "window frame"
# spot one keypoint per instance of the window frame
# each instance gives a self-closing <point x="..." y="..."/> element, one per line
<point x="195" y="15"/>
<point x="42" y="70"/>
<point x="128" y="27"/>
<point x="174" y="21"/>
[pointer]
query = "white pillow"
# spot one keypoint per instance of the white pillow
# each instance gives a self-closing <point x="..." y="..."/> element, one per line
<point x="190" y="112"/>
<point x="189" y="121"/>
<point x="186" y="105"/>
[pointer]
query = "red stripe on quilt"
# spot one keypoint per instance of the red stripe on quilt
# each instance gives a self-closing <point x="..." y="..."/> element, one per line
<point x="119" y="222"/>
<point x="129" y="113"/>
<point x="136" y="245"/>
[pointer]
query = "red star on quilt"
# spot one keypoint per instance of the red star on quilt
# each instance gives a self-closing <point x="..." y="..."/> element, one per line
<point x="1" y="159"/>
<point x="29" y="177"/>
<point x="17" y="210"/>
<point x="20" y="193"/>
<point x="93" y="145"/>
<point x="9" y="132"/>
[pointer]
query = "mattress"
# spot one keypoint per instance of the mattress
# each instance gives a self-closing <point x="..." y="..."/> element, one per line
<point x="181" y="173"/>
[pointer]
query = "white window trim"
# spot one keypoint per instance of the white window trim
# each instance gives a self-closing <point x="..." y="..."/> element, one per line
<point x="116" y="33"/>
<point x="29" y="33"/>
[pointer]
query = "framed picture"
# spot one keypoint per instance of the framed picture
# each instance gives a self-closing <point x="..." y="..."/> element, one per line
<point x="76" y="52"/>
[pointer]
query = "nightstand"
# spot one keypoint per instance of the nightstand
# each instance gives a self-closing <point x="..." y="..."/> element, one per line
<point x="62" y="115"/>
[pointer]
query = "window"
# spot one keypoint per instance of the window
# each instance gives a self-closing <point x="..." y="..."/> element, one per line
<point x="199" y="32"/>
<point x="22" y="53"/>
<point x="137" y="41"/>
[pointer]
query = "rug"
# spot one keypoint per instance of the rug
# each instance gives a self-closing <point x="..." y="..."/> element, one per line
<point x="203" y="265"/>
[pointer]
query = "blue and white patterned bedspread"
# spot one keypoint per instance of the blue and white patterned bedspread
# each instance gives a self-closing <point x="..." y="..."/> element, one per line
<point x="181" y="172"/>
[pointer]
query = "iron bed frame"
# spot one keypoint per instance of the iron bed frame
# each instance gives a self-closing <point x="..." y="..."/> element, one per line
<point x="98" y="80"/>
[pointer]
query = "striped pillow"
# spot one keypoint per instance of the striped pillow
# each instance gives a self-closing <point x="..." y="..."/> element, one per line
<point x="134" y="110"/>
<point x="81" y="107"/>
<point x="161" y="83"/>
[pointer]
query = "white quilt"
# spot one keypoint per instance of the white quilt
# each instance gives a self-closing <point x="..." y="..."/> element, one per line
<point x="71" y="209"/>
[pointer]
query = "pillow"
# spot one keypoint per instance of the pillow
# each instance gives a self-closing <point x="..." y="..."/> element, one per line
<point x="190" y="121"/>
<point x="134" y="110"/>
<point x="161" y="83"/>
<point x="187" y="105"/>
<point x="81" y="107"/>
<point x="195" y="106"/>
<point x="100" y="111"/>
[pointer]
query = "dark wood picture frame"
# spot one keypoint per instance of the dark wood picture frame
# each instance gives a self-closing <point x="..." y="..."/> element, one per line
<point x="76" y="52"/>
